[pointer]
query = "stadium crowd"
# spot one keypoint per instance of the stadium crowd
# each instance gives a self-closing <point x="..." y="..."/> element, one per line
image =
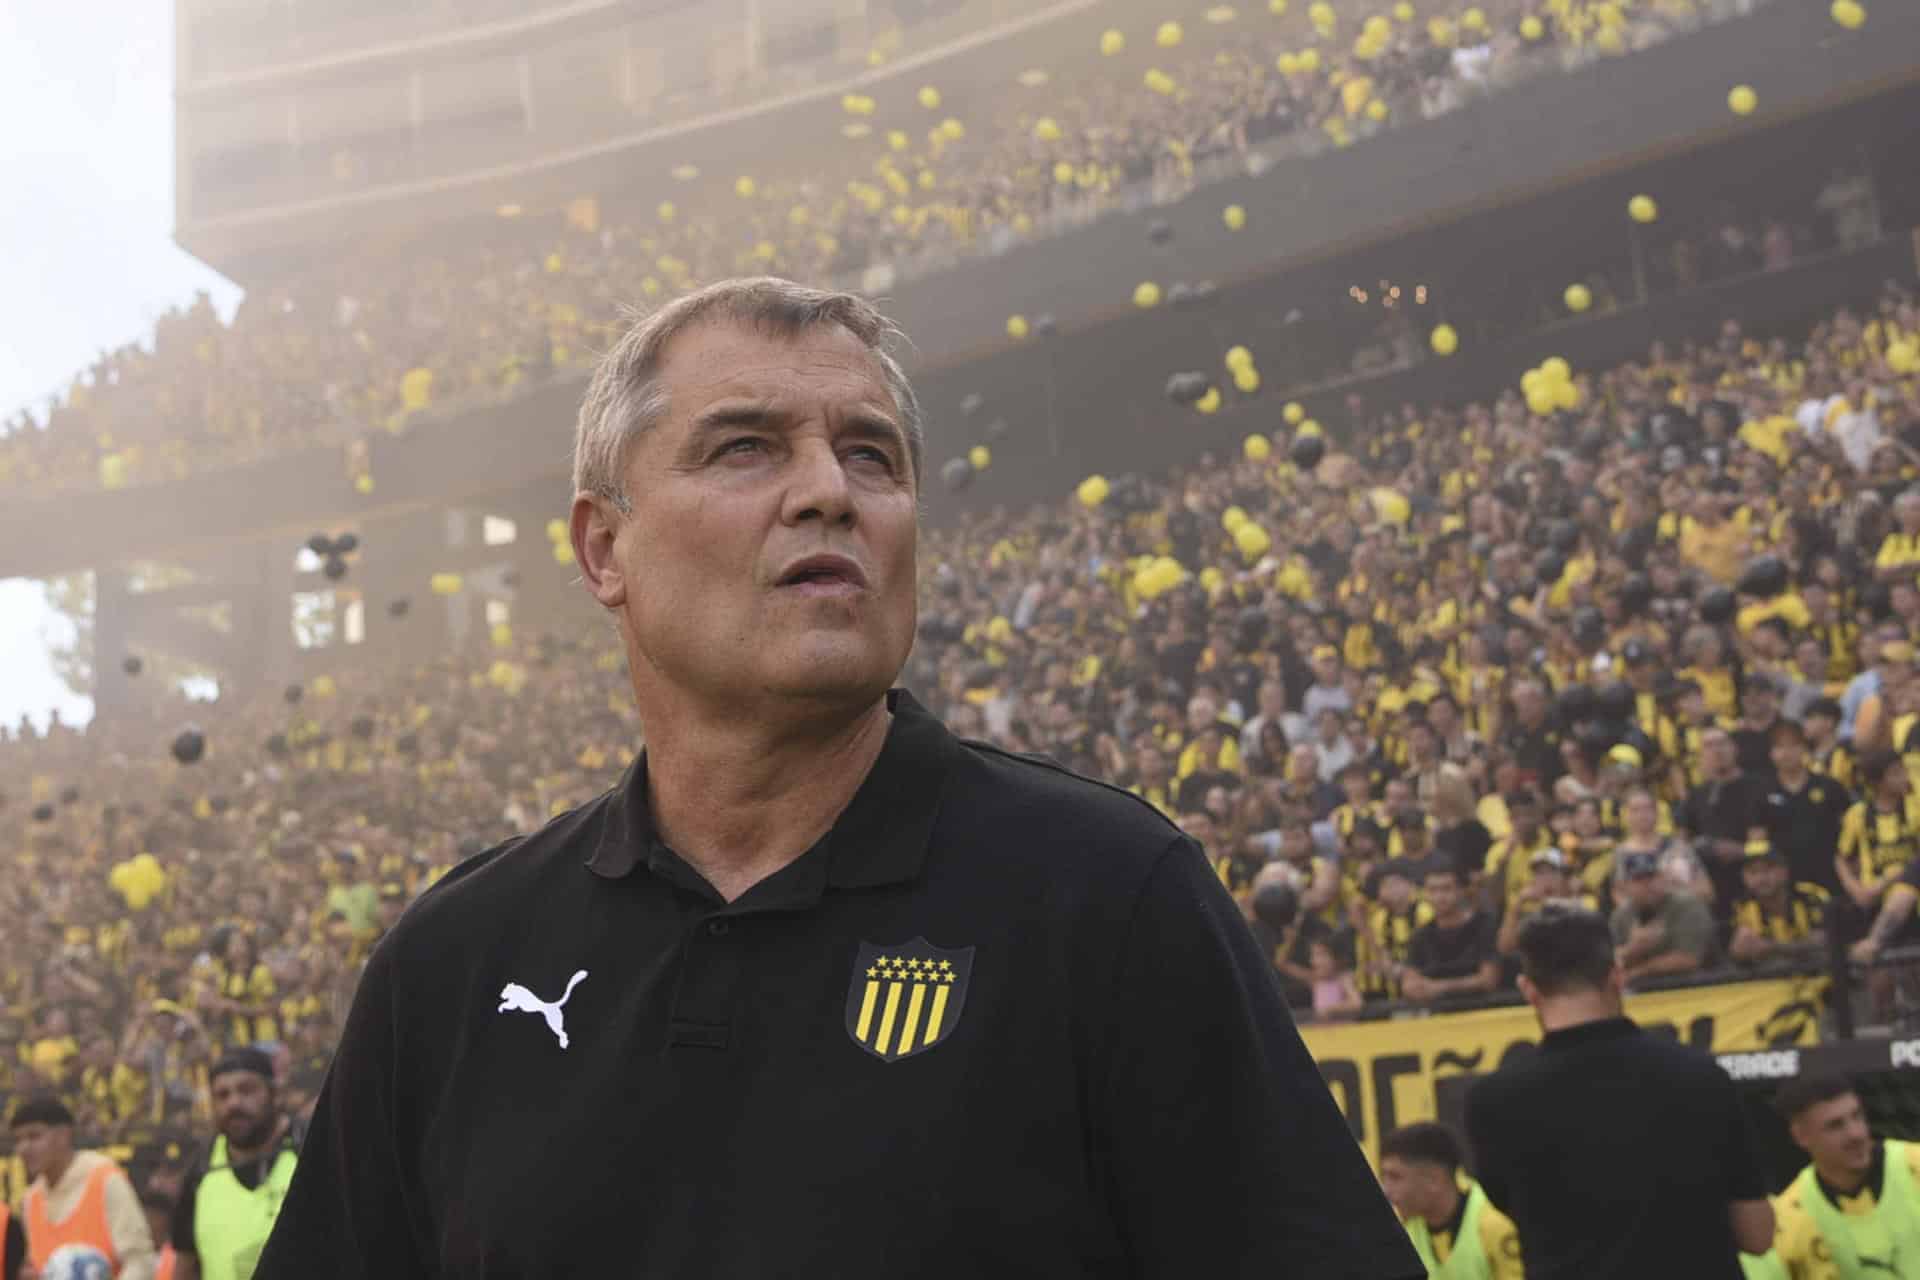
<point x="1655" y="654"/>
<point x="400" y="330"/>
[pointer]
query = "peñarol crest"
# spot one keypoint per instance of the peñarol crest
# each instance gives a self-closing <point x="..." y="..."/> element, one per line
<point x="905" y="999"/>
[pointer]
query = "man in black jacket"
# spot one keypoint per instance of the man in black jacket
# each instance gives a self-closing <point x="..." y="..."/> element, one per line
<point x="1620" y="1155"/>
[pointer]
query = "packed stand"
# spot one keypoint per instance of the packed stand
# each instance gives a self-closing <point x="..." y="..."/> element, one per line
<point x="373" y="343"/>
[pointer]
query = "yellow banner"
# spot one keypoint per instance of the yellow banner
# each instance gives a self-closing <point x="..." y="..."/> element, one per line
<point x="1386" y="1074"/>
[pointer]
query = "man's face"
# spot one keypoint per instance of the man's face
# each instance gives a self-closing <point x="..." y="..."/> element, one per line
<point x="243" y="1107"/>
<point x="1787" y="753"/>
<point x="1549" y="881"/>
<point x="1443" y="892"/>
<point x="1525" y="819"/>
<point x="1764" y="877"/>
<point x="42" y="1146"/>
<point x="1835" y="1134"/>
<point x="1410" y="1185"/>
<point x="771" y="451"/>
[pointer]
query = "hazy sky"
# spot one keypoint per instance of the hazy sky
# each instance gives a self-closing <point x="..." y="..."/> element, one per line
<point x="86" y="139"/>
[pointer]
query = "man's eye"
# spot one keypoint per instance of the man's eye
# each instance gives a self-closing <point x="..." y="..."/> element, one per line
<point x="741" y="445"/>
<point x="881" y="456"/>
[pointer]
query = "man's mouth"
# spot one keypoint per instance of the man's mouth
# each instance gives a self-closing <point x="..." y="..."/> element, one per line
<point x="825" y="575"/>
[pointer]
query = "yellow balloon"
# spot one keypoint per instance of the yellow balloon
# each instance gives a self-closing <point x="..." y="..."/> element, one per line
<point x="1642" y="209"/>
<point x="666" y="211"/>
<point x="952" y="130"/>
<point x="1277" y="8"/>
<point x="138" y="899"/>
<point x="1578" y="297"/>
<point x="1473" y="18"/>
<point x="1531" y="28"/>
<point x="1390" y="505"/>
<point x="979" y="457"/>
<point x="1378" y="27"/>
<point x="1320" y="13"/>
<point x="1542" y="404"/>
<point x="501" y="635"/>
<point x="1112" y="42"/>
<point x="1535" y="382"/>
<point x="1566" y="396"/>
<point x="1309" y="61"/>
<point x="1234" y="216"/>
<point x="744" y="187"/>
<point x="1233" y="517"/>
<point x="1159" y="81"/>
<point x="445" y="584"/>
<point x="1252" y="540"/>
<point x="1146" y="294"/>
<point x="898" y="140"/>
<point x="1608" y="40"/>
<point x="1238" y="356"/>
<point x="1294" y="413"/>
<point x="1849" y="13"/>
<point x="1257" y="448"/>
<point x="556" y="529"/>
<point x="1403" y="11"/>
<point x="1247" y="380"/>
<point x="1169" y="35"/>
<point x="1742" y="100"/>
<point x="1210" y="402"/>
<point x="323" y="687"/>
<point x="1092" y="491"/>
<point x="1063" y="172"/>
<point x="1308" y="428"/>
<point x="1376" y="110"/>
<point x="1557" y="369"/>
<point x="1441" y="32"/>
<point x="930" y="98"/>
<point x="1016" y="326"/>
<point x="363" y="484"/>
<point x="1046" y="129"/>
<point x="1444" y="340"/>
<point x="563" y="553"/>
<point x="1288" y="64"/>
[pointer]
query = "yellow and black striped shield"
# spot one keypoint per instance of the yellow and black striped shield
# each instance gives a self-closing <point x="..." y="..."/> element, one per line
<point x="906" y="998"/>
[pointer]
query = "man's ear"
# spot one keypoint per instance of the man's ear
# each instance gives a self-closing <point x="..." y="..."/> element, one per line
<point x="594" y="526"/>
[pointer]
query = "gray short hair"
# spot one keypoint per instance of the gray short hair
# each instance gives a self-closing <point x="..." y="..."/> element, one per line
<point x="625" y="398"/>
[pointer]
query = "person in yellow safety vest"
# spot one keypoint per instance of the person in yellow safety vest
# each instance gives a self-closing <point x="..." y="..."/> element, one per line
<point x="231" y="1197"/>
<point x="1455" y="1230"/>
<point x="1854" y="1212"/>
<point x="77" y="1197"/>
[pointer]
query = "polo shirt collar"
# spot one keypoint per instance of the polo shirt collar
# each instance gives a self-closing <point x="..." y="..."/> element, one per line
<point x="880" y="838"/>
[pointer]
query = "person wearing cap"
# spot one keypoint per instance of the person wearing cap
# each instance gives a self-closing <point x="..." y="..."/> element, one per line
<point x="817" y="987"/>
<point x="1775" y="911"/>
<point x="77" y="1197"/>
<point x="1854" y="1212"/>
<point x="233" y="1192"/>
<point x="1666" y="1181"/>
<point x="1454" y="1229"/>
<point x="1802" y="811"/>
<point x="1659" y="930"/>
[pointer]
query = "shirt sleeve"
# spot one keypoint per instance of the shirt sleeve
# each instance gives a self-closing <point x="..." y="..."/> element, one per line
<point x="1500" y="1241"/>
<point x="16" y="1255"/>
<point x="127" y="1225"/>
<point x="1218" y="1147"/>
<point x="1739" y="1158"/>
<point x="348" y="1214"/>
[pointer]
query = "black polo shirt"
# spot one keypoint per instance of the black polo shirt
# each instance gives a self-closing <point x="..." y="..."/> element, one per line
<point x="1616" y="1153"/>
<point x="1000" y="1021"/>
<point x="1805" y="825"/>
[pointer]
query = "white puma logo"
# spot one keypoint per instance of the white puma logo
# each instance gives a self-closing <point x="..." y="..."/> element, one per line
<point x="517" y="999"/>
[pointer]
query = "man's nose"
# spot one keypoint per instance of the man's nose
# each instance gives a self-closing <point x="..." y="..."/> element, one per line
<point x="817" y="485"/>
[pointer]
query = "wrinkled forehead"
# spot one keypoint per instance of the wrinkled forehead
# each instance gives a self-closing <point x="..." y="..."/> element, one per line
<point x="822" y="368"/>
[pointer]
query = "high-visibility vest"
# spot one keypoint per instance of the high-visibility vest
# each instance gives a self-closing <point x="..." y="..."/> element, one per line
<point x="1890" y="1235"/>
<point x="87" y="1224"/>
<point x="231" y="1223"/>
<point x="1468" y="1260"/>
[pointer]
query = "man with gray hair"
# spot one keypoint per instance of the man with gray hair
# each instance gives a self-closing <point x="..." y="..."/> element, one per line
<point x="817" y="989"/>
